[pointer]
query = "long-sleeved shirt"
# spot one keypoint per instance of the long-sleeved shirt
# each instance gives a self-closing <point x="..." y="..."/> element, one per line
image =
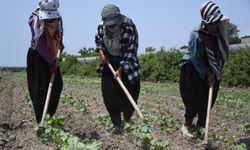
<point x="196" y="54"/>
<point x="41" y="45"/>
<point x="207" y="52"/>
<point x="128" y="48"/>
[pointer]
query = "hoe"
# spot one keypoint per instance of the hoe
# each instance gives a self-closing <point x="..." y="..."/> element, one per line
<point x="40" y="128"/>
<point x="149" y="128"/>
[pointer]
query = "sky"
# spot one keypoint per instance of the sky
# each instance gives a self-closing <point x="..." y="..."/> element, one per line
<point x="160" y="23"/>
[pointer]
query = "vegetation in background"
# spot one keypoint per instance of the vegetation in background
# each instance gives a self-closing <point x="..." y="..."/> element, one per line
<point x="237" y="69"/>
<point x="70" y="66"/>
<point x="233" y="33"/>
<point x="163" y="66"/>
<point x="90" y="52"/>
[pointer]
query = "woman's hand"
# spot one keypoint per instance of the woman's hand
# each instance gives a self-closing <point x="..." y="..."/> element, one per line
<point x="102" y="56"/>
<point x="118" y="73"/>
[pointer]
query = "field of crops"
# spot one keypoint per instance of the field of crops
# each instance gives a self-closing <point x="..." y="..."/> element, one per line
<point x="82" y="121"/>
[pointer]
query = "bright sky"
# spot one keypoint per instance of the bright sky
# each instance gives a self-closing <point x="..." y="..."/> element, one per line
<point x="159" y="23"/>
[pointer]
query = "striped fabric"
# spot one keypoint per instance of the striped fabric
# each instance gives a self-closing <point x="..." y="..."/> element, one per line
<point x="210" y="12"/>
<point x="216" y="65"/>
<point x="207" y="52"/>
<point x="216" y="50"/>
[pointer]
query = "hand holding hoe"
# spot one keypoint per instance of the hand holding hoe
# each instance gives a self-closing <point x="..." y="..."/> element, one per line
<point x="150" y="130"/>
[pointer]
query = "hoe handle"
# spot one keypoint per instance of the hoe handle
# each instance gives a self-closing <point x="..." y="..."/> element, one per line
<point x="126" y="92"/>
<point x="46" y="105"/>
<point x="150" y="130"/>
<point x="210" y="96"/>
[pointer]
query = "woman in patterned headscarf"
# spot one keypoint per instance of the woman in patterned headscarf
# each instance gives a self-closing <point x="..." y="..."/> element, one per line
<point x="117" y="43"/>
<point x="46" y="28"/>
<point x="202" y="65"/>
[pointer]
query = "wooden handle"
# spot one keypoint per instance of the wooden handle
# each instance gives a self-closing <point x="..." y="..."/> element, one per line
<point x="210" y="96"/>
<point x="149" y="128"/>
<point x="127" y="93"/>
<point x="46" y="105"/>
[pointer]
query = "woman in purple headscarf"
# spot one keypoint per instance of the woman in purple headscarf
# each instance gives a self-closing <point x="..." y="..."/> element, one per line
<point x="46" y="29"/>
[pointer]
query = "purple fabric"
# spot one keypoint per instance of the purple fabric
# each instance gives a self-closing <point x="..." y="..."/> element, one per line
<point x="41" y="46"/>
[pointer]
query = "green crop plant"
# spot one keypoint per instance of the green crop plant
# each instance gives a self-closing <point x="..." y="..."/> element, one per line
<point x="236" y="103"/>
<point x="80" y="104"/>
<point x="66" y="141"/>
<point x="226" y="140"/>
<point x="28" y="99"/>
<point x="245" y="128"/>
<point x="241" y="146"/>
<point x="104" y="119"/>
<point x="143" y="138"/>
<point x="168" y="122"/>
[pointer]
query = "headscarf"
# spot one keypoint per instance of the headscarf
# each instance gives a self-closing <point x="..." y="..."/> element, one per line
<point x="216" y="46"/>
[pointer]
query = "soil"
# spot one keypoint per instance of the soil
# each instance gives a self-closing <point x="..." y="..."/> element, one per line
<point x="17" y="121"/>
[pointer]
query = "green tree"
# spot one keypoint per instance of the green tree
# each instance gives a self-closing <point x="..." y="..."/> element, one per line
<point x="233" y="33"/>
<point x="150" y="49"/>
<point x="84" y="52"/>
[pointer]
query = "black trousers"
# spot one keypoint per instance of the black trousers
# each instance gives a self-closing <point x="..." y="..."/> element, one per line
<point x="114" y="97"/>
<point x="38" y="77"/>
<point x="194" y="93"/>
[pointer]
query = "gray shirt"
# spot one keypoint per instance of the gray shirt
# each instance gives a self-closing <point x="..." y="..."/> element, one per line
<point x="113" y="44"/>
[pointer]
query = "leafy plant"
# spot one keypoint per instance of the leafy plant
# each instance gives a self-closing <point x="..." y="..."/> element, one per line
<point x="88" y="52"/>
<point x="27" y="96"/>
<point x="104" y="119"/>
<point x="241" y="146"/>
<point x="237" y="70"/>
<point x="197" y="131"/>
<point x="144" y="139"/>
<point x="80" y="104"/>
<point x="161" y="66"/>
<point x="54" y="133"/>
<point x="168" y="122"/>
<point x="71" y="66"/>
<point x="226" y="140"/>
<point x="246" y="128"/>
<point x="234" y="101"/>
